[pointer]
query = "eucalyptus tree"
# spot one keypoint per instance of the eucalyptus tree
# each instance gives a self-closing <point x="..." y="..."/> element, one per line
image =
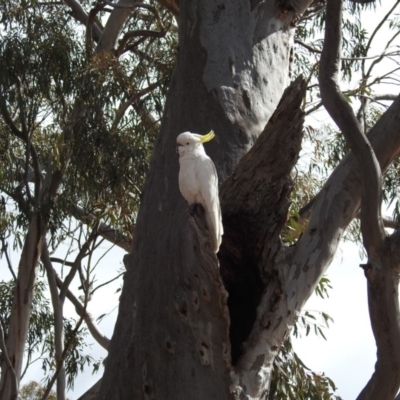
<point x="82" y="94"/>
<point x="71" y="150"/>
<point x="179" y="335"/>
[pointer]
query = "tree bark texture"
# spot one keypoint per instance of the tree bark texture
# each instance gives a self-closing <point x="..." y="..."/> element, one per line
<point x="382" y="267"/>
<point x="178" y="335"/>
<point x="21" y="307"/>
<point x="232" y="67"/>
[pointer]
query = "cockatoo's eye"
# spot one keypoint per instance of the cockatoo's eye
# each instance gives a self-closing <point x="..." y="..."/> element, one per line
<point x="187" y="144"/>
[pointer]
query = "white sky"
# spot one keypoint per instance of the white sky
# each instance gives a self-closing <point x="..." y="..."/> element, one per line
<point x="347" y="357"/>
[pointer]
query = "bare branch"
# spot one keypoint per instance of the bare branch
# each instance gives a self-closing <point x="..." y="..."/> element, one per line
<point x="4" y="251"/>
<point x="102" y="339"/>
<point x="81" y="16"/>
<point x="131" y="6"/>
<point x="384" y="97"/>
<point x="61" y="261"/>
<point x="89" y="27"/>
<point x="314" y="108"/>
<point x="106" y="283"/>
<point x="308" y="47"/>
<point x="124" y="106"/>
<point x="383" y="304"/>
<point x="77" y="263"/>
<point x="341" y="112"/>
<point x="144" y="32"/>
<point x="312" y="12"/>
<point x="103" y="230"/>
<point x="9" y="121"/>
<point x="376" y="31"/>
<point x="113" y="28"/>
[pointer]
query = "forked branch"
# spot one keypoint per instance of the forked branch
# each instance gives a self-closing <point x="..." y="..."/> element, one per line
<point x="341" y="112"/>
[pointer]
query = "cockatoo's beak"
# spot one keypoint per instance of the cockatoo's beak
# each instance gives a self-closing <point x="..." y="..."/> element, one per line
<point x="206" y="138"/>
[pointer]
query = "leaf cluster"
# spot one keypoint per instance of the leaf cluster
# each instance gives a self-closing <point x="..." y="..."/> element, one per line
<point x="83" y="115"/>
<point x="34" y="391"/>
<point x="40" y="340"/>
<point x="293" y="380"/>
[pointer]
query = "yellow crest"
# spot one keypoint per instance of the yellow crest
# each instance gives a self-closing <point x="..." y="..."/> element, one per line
<point x="206" y="138"/>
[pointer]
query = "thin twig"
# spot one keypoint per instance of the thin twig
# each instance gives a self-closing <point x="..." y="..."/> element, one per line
<point x="4" y="251"/>
<point x="375" y="32"/>
<point x="124" y="106"/>
<point x="106" y="283"/>
<point x="102" y="339"/>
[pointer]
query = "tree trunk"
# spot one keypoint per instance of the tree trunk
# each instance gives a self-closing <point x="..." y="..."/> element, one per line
<point x="18" y="323"/>
<point x="232" y="67"/>
<point x="21" y="308"/>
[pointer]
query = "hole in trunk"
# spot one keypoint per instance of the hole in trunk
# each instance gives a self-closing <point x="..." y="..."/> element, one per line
<point x="244" y="285"/>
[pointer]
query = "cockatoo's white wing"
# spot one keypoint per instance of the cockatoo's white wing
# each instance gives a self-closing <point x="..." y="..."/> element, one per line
<point x="208" y="184"/>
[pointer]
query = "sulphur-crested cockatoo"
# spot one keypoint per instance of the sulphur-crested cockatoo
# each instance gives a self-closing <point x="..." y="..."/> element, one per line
<point x="198" y="181"/>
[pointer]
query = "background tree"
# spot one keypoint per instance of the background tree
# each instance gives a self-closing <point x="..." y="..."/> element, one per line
<point x="82" y="92"/>
<point x="34" y="391"/>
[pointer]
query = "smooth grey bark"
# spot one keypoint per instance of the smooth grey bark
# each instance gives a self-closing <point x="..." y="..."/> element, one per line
<point x="113" y="28"/>
<point x="232" y="67"/>
<point x="19" y="319"/>
<point x="26" y="278"/>
<point x="80" y="15"/>
<point x="171" y="340"/>
<point x="58" y="310"/>
<point x="341" y="112"/>
<point x="382" y="268"/>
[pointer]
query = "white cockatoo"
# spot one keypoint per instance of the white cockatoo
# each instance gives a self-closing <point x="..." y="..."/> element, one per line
<point x="198" y="181"/>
